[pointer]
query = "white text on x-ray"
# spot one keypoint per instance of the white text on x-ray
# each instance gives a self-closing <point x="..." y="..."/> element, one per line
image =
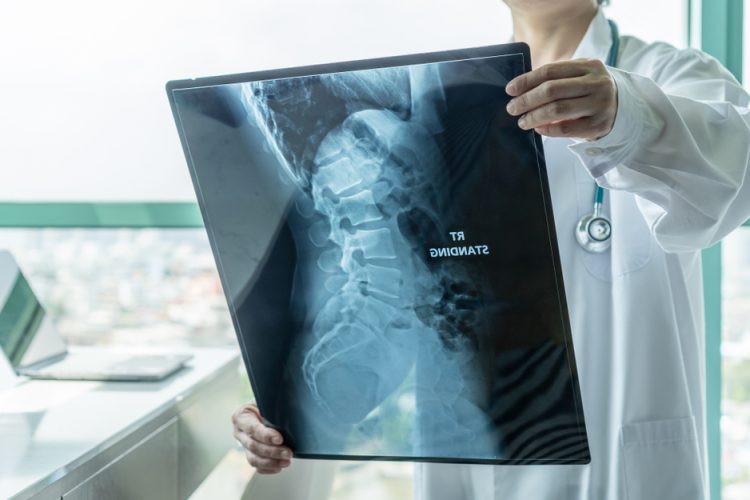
<point x="459" y="251"/>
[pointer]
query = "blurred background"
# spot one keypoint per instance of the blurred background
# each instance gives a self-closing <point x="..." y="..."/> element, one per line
<point x="97" y="205"/>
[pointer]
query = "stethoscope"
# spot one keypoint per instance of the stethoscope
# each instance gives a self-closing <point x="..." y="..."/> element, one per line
<point x="594" y="230"/>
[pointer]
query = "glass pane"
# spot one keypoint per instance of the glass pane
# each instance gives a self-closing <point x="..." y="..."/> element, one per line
<point x="125" y="287"/>
<point x="114" y="88"/>
<point x="666" y="20"/>
<point x="735" y="351"/>
<point x="89" y="115"/>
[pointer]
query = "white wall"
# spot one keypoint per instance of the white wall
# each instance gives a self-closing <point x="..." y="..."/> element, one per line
<point x="83" y="112"/>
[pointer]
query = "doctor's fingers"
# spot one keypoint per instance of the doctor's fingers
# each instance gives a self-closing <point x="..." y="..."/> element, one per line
<point x="553" y="71"/>
<point x="262" y="450"/>
<point x="246" y="420"/>
<point x="583" y="128"/>
<point x="264" y="465"/>
<point x="567" y="109"/>
<point x="548" y="92"/>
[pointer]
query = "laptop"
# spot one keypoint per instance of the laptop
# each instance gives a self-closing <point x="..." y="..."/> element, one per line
<point x="29" y="340"/>
<point x="384" y="234"/>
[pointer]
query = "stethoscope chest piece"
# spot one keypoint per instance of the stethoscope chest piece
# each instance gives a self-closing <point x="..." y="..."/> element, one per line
<point x="594" y="233"/>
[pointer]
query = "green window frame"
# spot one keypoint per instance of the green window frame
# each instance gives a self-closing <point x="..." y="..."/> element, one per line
<point x="720" y="23"/>
<point x="100" y="215"/>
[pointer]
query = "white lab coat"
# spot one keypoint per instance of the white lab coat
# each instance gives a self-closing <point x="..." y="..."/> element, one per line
<point x="675" y="165"/>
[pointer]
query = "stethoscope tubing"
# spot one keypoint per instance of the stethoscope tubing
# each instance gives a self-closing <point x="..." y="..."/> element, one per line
<point x="586" y="239"/>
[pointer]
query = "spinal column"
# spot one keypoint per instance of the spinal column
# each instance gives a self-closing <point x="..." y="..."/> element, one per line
<point x="369" y="161"/>
<point x="369" y="173"/>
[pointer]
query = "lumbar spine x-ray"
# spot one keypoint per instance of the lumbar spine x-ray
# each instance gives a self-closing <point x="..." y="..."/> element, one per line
<point x="391" y="277"/>
<point x="372" y="185"/>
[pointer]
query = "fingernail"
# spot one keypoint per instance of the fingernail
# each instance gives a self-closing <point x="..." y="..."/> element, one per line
<point x="510" y="88"/>
<point x="522" y="123"/>
<point x="284" y="454"/>
<point x="286" y="464"/>
<point x="511" y="107"/>
<point x="277" y="440"/>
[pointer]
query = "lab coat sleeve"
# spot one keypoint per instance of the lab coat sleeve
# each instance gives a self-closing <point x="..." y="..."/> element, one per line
<point x="681" y="144"/>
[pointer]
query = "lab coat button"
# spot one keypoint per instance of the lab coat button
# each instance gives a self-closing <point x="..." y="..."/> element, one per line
<point x="594" y="151"/>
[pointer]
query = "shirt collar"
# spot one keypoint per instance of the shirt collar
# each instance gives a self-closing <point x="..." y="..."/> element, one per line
<point x="597" y="40"/>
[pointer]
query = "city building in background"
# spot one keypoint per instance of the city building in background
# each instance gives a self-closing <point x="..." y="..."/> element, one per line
<point x="125" y="287"/>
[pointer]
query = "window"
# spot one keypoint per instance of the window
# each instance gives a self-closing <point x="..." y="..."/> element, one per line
<point x="125" y="287"/>
<point x="90" y="117"/>
<point x="106" y="65"/>
<point x="667" y="20"/>
<point x="735" y="351"/>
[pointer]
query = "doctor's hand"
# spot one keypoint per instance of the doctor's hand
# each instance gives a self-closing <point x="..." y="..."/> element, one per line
<point x="263" y="445"/>
<point x="565" y="99"/>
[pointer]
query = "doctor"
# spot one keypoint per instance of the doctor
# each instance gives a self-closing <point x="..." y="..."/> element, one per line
<point x="666" y="133"/>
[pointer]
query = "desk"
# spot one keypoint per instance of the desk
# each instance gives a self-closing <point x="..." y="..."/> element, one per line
<point x="119" y="440"/>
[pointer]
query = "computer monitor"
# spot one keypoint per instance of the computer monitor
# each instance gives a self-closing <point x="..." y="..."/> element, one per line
<point x="21" y="313"/>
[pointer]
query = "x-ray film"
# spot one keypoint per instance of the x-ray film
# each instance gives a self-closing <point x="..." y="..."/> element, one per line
<point x="384" y="235"/>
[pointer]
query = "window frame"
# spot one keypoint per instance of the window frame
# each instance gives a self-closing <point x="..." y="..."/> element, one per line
<point x="160" y="215"/>
<point x="721" y="24"/>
